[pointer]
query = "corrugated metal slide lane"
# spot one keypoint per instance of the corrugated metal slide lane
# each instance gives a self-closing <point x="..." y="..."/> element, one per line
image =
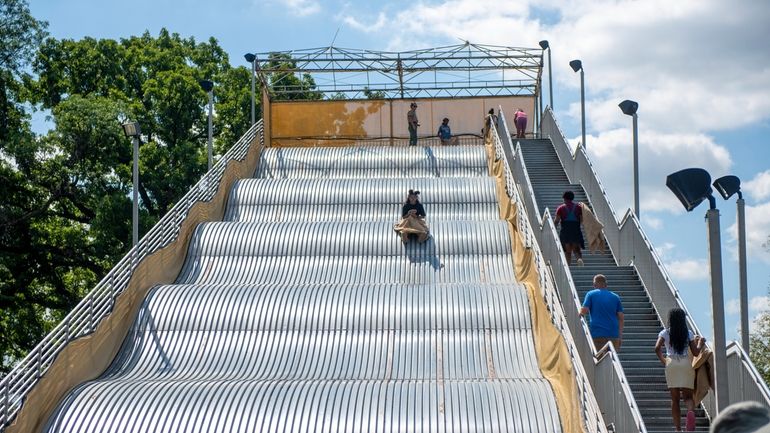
<point x="304" y="312"/>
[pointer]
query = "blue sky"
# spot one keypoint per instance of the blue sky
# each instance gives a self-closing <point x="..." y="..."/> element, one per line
<point x="700" y="72"/>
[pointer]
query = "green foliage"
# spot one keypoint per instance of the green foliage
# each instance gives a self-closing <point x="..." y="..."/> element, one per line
<point x="374" y="94"/>
<point x="65" y="216"/>
<point x="759" y="339"/>
<point x="285" y="84"/>
<point x="759" y="345"/>
<point x="65" y="213"/>
<point x="20" y="33"/>
<point x="60" y="226"/>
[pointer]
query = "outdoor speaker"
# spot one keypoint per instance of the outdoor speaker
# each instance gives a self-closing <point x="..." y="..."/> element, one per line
<point x="691" y="186"/>
<point x="727" y="186"/>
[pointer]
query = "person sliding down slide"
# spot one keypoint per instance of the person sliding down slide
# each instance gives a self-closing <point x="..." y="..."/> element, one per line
<point x="412" y="219"/>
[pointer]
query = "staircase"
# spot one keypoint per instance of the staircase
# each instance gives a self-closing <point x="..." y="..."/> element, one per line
<point x="302" y="311"/>
<point x="645" y="373"/>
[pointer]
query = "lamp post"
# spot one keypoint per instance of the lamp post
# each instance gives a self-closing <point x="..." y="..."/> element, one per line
<point x="577" y="65"/>
<point x="251" y="58"/>
<point x="545" y="46"/>
<point x="208" y="87"/>
<point x="133" y="131"/>
<point x="629" y="108"/>
<point x="691" y="186"/>
<point x="727" y="186"/>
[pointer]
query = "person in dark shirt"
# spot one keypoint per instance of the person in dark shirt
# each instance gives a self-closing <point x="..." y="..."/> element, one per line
<point x="412" y="219"/>
<point x="570" y="216"/>
<point x="412" y="206"/>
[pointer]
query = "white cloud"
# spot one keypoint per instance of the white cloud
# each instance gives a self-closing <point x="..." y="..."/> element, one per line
<point x="753" y="323"/>
<point x="660" y="154"/>
<point x="664" y="249"/>
<point x="757" y="233"/>
<point x="759" y="187"/>
<point x="652" y="222"/>
<point x="689" y="269"/>
<point x="365" y="27"/>
<point x="302" y="7"/>
<point x="659" y="53"/>
<point x="690" y="65"/>
<point x="757" y="304"/>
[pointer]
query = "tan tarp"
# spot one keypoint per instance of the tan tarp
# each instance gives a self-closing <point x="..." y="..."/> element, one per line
<point x="329" y="123"/>
<point x="412" y="226"/>
<point x="87" y="357"/>
<point x="704" y="374"/>
<point x="552" y="354"/>
<point x="593" y="230"/>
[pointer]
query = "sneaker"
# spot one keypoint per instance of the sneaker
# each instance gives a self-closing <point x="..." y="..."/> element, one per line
<point x="690" y="425"/>
<point x="580" y="262"/>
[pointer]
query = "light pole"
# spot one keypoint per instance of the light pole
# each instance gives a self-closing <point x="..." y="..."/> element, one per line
<point x="577" y="65"/>
<point x="133" y="130"/>
<point x="629" y="108"/>
<point x="208" y="87"/>
<point x="691" y="186"/>
<point x="251" y="58"/>
<point x="727" y="186"/>
<point x="545" y="46"/>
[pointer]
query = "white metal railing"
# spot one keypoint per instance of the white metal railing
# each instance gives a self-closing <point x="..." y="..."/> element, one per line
<point x="614" y="394"/>
<point x="606" y="373"/>
<point x="630" y="246"/>
<point x="746" y="382"/>
<point x="98" y="303"/>
<point x="591" y="413"/>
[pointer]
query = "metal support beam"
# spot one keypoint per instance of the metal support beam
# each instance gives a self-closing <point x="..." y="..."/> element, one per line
<point x="450" y="71"/>
<point x="743" y="286"/>
<point x="135" y="194"/>
<point x="718" y="310"/>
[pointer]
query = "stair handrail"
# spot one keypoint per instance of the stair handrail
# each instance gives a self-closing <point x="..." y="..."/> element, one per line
<point x="752" y="386"/>
<point x="591" y="412"/>
<point x="605" y="372"/>
<point x="630" y="245"/>
<point x="98" y="303"/>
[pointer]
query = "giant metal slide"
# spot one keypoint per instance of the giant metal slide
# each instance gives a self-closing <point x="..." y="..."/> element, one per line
<point x="303" y="311"/>
<point x="294" y="307"/>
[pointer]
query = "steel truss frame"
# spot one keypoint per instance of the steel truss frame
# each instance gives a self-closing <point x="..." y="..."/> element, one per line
<point x="464" y="70"/>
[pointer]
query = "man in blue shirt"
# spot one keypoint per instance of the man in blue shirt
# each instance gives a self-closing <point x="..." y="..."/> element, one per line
<point x="445" y="134"/>
<point x="606" y="312"/>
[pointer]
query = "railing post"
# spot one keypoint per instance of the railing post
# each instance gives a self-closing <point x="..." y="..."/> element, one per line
<point x="112" y="287"/>
<point x="6" y="403"/>
<point x="90" y="313"/>
<point x="38" y="362"/>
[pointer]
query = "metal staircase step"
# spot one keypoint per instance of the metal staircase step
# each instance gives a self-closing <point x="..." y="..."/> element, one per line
<point x="643" y="370"/>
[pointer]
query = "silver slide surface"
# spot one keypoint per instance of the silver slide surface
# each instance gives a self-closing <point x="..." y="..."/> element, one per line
<point x="304" y="312"/>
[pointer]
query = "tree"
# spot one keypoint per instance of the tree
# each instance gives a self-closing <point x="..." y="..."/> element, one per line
<point x="64" y="219"/>
<point x="20" y="33"/>
<point x="374" y="94"/>
<point x="759" y="345"/>
<point x="759" y="339"/>
<point x="285" y="84"/>
<point x="65" y="213"/>
<point x="158" y="79"/>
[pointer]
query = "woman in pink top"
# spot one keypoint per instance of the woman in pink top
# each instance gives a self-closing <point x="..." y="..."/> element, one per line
<point x="520" y="120"/>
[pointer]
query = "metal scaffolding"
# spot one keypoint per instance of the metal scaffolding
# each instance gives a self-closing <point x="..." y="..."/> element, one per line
<point x="464" y="70"/>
